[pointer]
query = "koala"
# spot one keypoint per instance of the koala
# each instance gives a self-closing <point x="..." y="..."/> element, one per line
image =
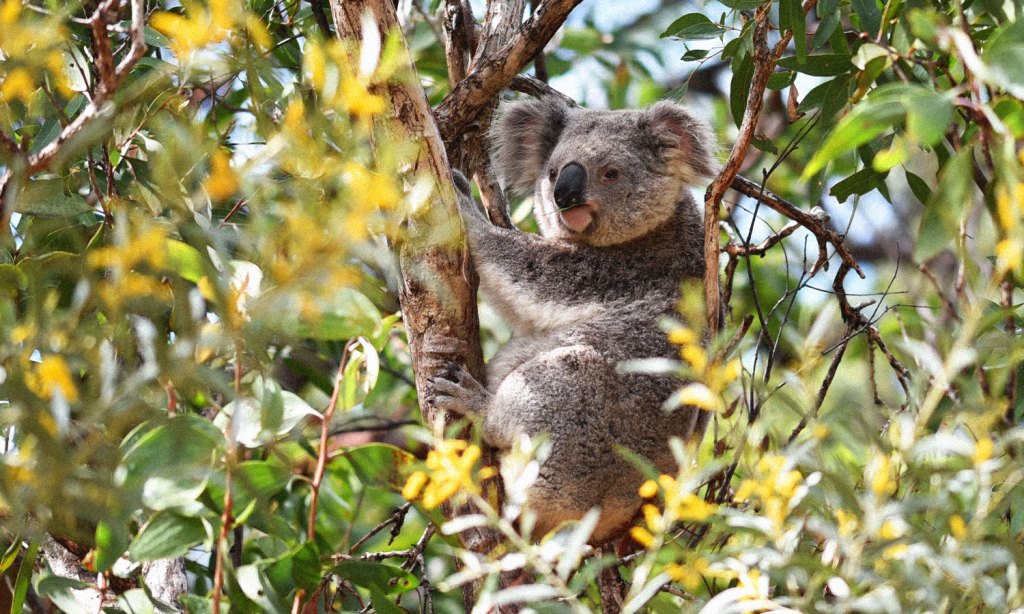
<point x="619" y="233"/>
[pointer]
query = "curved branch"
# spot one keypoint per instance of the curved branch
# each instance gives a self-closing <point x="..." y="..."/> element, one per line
<point x="495" y="71"/>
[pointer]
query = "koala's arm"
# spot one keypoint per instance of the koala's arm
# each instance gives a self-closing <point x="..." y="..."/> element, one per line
<point x="524" y="274"/>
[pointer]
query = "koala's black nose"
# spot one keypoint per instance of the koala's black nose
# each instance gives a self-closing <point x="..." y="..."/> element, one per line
<point x="570" y="186"/>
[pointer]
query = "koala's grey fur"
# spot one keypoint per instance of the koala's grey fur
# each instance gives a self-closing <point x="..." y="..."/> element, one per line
<point x="582" y="301"/>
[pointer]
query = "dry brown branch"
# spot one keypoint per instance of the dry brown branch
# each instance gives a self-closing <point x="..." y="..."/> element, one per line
<point x="463" y="39"/>
<point x="97" y="107"/>
<point x="492" y="73"/>
<point x="525" y="84"/>
<point x="815" y="221"/>
<point x="764" y="60"/>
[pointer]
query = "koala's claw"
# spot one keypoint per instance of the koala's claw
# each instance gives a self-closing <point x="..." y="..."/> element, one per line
<point x="456" y="391"/>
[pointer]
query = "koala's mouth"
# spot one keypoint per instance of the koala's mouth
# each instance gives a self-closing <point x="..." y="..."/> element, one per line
<point x="579" y="217"/>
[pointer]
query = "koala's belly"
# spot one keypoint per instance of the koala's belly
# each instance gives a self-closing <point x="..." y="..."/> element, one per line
<point x="575" y="396"/>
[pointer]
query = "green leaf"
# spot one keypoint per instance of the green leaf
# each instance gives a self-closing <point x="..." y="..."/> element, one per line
<point x="257" y="421"/>
<point x="259" y="480"/>
<point x="388" y="579"/>
<point x="154" y="38"/>
<point x="829" y="97"/>
<point x="350" y="315"/>
<point x="112" y="540"/>
<point x="379" y="464"/>
<point x="1011" y="112"/>
<point x="693" y="26"/>
<point x="764" y="144"/>
<point x="185" y="260"/>
<point x="170" y="462"/>
<point x="49" y="198"/>
<point x="870" y="15"/>
<point x="12" y="279"/>
<point x="165" y="536"/>
<point x="819" y="65"/>
<point x="918" y="186"/>
<point x="928" y="115"/>
<point x="825" y="29"/>
<point x="940" y="222"/>
<point x="582" y="40"/>
<point x="779" y="80"/>
<point x="739" y="87"/>
<point x="861" y="182"/>
<point x="28" y="562"/>
<point x="46" y="135"/>
<point x="791" y="17"/>
<point x="859" y="127"/>
<point x="692" y="55"/>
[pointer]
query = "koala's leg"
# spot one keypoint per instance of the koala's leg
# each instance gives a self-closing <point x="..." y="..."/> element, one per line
<point x="573" y="395"/>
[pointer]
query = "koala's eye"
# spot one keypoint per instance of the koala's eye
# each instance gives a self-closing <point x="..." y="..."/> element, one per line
<point x="552" y="175"/>
<point x="611" y="175"/>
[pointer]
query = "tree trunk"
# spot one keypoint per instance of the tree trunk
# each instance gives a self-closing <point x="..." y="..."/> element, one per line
<point x="438" y="295"/>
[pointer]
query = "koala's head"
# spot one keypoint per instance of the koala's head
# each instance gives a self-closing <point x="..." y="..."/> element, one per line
<point x="600" y="177"/>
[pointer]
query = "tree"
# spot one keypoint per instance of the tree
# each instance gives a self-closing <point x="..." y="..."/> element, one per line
<point x="209" y="396"/>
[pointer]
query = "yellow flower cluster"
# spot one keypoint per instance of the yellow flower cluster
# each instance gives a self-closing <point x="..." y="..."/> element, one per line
<point x="202" y="26"/>
<point x="222" y="181"/>
<point x="713" y="377"/>
<point x="148" y="248"/>
<point x="774" y="488"/>
<point x="50" y="376"/>
<point x="340" y="85"/>
<point x="30" y="45"/>
<point x="680" y="505"/>
<point x="1010" y="215"/>
<point x="879" y="474"/>
<point x="449" y="471"/>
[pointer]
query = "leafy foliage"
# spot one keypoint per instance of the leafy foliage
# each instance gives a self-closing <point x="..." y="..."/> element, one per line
<point x="202" y="354"/>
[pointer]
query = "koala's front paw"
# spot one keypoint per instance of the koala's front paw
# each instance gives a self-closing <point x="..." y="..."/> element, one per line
<point x="458" y="392"/>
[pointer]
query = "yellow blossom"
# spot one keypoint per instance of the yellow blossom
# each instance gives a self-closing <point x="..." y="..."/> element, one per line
<point x="699" y="395"/>
<point x="414" y="485"/>
<point x="17" y="85"/>
<point x="222" y="181"/>
<point x="258" y="33"/>
<point x="199" y="27"/>
<point x="449" y="470"/>
<point x="845" y="522"/>
<point x="690" y="576"/>
<point x="9" y="12"/>
<point x="1005" y="209"/>
<point x="358" y="100"/>
<point x="682" y="336"/>
<point x="878" y="471"/>
<point x="890" y="530"/>
<point x="696" y="357"/>
<point x="1010" y="255"/>
<point x="642" y="536"/>
<point x="982" y="450"/>
<point x="149" y="247"/>
<point x="957" y="526"/>
<point x="51" y="375"/>
<point x="894" y="551"/>
<point x="648" y="489"/>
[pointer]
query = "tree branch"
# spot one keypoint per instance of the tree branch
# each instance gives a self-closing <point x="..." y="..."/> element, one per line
<point x="492" y="73"/>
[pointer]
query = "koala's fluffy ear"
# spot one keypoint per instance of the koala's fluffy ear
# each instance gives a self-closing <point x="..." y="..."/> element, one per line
<point x="688" y="141"/>
<point x="522" y="138"/>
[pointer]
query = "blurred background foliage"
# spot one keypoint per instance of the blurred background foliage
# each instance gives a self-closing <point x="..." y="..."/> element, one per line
<point x="202" y="355"/>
